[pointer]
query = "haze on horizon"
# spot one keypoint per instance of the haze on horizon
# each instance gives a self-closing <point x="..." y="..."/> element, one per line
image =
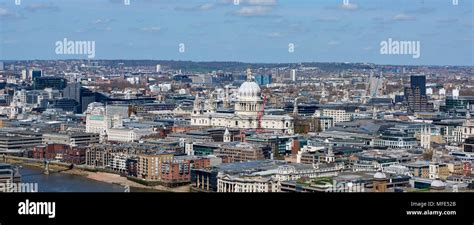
<point x="257" y="31"/>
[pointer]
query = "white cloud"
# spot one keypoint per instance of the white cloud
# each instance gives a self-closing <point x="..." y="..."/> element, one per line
<point x="275" y="34"/>
<point x="5" y="13"/>
<point x="206" y="6"/>
<point x="203" y="7"/>
<point x="327" y="19"/>
<point x="403" y="17"/>
<point x="254" y="11"/>
<point x="251" y="2"/>
<point x="151" y="29"/>
<point x="350" y="6"/>
<point x="261" y="2"/>
<point x="41" y="6"/>
<point x="101" y="21"/>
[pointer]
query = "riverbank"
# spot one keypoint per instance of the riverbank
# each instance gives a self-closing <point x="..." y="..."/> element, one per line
<point x="104" y="177"/>
<point x="120" y="180"/>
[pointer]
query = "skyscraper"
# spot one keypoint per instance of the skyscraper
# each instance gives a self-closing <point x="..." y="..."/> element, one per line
<point x="24" y="74"/>
<point x="293" y="75"/>
<point x="158" y="68"/>
<point x="35" y="73"/>
<point x="73" y="91"/>
<point x="40" y="83"/>
<point x="81" y="95"/>
<point x="1" y="66"/>
<point x="263" y="80"/>
<point x="415" y="95"/>
<point x="418" y="81"/>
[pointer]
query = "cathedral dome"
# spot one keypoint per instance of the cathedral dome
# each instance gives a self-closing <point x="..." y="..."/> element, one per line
<point x="249" y="90"/>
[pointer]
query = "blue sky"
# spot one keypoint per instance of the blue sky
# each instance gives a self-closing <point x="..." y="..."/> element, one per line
<point x="253" y="31"/>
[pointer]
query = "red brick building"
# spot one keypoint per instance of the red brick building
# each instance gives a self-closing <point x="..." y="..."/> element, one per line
<point x="50" y="151"/>
<point x="75" y="155"/>
<point x="62" y="152"/>
<point x="181" y="129"/>
<point x="178" y="170"/>
<point x="295" y="147"/>
<point x="467" y="168"/>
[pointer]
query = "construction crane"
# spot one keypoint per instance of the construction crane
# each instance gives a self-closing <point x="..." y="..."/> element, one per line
<point x="260" y="115"/>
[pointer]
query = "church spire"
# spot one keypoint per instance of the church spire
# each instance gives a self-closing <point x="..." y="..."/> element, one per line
<point x="330" y="151"/>
<point x="197" y="105"/>
<point x="227" y="135"/>
<point x="468" y="112"/>
<point x="210" y="105"/>
<point x="295" y="107"/>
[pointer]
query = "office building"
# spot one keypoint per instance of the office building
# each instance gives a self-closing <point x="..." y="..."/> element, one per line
<point x="419" y="82"/>
<point x="158" y="68"/>
<point x="240" y="152"/>
<point x="263" y="80"/>
<point x="40" y="83"/>
<point x="24" y="75"/>
<point x="81" y="95"/>
<point x="126" y="135"/>
<point x="35" y="73"/>
<point x="293" y="75"/>
<point x="73" y="91"/>
<point x="72" y="139"/>
<point x="468" y="145"/>
<point x="415" y="95"/>
<point x="18" y="144"/>
<point x="337" y="115"/>
<point x="458" y="102"/>
<point x="68" y="105"/>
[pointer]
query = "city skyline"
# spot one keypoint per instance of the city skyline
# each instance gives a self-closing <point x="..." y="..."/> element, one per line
<point x="255" y="31"/>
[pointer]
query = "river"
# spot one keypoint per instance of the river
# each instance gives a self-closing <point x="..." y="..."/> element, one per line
<point x="62" y="182"/>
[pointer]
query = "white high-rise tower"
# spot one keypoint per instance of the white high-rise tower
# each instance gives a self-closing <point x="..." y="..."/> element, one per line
<point x="158" y="68"/>
<point x="293" y="75"/>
